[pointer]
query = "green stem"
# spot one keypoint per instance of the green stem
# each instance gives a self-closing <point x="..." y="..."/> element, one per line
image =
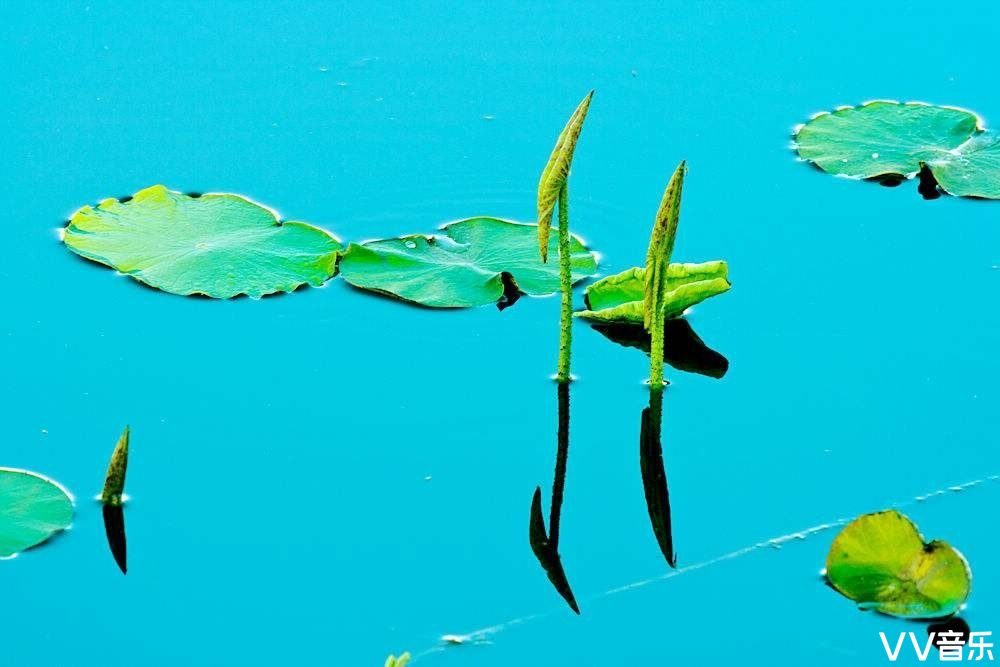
<point x="566" y="287"/>
<point x="656" y="352"/>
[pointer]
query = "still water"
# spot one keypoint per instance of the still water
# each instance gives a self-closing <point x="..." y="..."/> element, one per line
<point x="327" y="477"/>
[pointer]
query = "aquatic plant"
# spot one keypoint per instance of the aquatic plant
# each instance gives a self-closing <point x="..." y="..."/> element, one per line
<point x="890" y="141"/>
<point x="111" y="499"/>
<point x="881" y="562"/>
<point x="401" y="661"/>
<point x="553" y="186"/>
<point x="621" y="298"/>
<point x="114" y="480"/>
<point x="34" y="509"/>
<point x="224" y="245"/>
<point x="657" y="282"/>
<point x="471" y="263"/>
<point x="218" y="245"/>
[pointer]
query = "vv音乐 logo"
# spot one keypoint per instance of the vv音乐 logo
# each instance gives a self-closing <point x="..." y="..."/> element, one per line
<point x="950" y="646"/>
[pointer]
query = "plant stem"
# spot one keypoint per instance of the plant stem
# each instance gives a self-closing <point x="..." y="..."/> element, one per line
<point x="566" y="287"/>
<point x="656" y="352"/>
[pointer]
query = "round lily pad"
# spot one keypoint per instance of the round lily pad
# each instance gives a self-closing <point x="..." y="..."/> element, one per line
<point x="619" y="298"/>
<point x="219" y="245"/>
<point x="32" y="509"/>
<point x="467" y="265"/>
<point x="882" y="138"/>
<point x="882" y="562"/>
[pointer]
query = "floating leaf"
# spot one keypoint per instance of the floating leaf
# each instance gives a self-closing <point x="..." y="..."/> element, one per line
<point x="556" y="172"/>
<point x="972" y="170"/>
<point x="881" y="562"/>
<point x="219" y="245"/>
<point x="465" y="266"/>
<point x="882" y="139"/>
<point x="32" y="509"/>
<point x="619" y="298"/>
<point x="661" y="247"/>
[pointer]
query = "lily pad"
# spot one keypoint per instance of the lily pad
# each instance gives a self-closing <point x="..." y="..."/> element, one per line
<point x="882" y="139"/>
<point x="973" y="169"/>
<point x="468" y="265"/>
<point x="619" y="298"/>
<point x="219" y="245"/>
<point x="882" y="562"/>
<point x="32" y="509"/>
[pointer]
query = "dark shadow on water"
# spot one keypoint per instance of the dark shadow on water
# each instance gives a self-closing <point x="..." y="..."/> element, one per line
<point x="545" y="545"/>
<point x="511" y="292"/>
<point x="114" y="527"/>
<point x="654" y="475"/>
<point x="683" y="349"/>
<point x="927" y="185"/>
<point x="955" y="624"/>
<point x="888" y="180"/>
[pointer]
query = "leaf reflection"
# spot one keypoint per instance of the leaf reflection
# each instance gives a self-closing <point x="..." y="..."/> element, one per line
<point x="545" y="545"/>
<point x="654" y="475"/>
<point x="683" y="349"/>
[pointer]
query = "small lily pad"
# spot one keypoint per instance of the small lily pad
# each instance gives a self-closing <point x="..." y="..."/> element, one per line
<point x="219" y="245"/>
<point x="465" y="266"/>
<point x="619" y="298"/>
<point x="32" y="509"/>
<point x="401" y="661"/>
<point x="973" y="169"/>
<point x="882" y="562"/>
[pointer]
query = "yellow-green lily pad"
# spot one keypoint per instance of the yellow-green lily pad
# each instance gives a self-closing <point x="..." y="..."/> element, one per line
<point x="619" y="298"/>
<point x="882" y="562"/>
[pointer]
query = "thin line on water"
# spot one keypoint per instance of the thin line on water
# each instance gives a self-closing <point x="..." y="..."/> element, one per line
<point x="482" y="636"/>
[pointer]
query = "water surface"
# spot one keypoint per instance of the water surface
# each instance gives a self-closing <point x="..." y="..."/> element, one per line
<point x="329" y="476"/>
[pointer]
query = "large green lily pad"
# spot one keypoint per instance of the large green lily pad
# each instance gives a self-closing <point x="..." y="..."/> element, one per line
<point x="882" y="562"/>
<point x="465" y="266"/>
<point x="882" y="138"/>
<point x="32" y="509"/>
<point x="619" y="298"/>
<point x="219" y="245"/>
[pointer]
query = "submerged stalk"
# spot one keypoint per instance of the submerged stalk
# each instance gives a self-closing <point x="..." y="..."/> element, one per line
<point x="565" y="288"/>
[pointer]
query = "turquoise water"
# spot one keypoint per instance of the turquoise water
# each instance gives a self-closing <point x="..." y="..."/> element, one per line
<point x="328" y="477"/>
